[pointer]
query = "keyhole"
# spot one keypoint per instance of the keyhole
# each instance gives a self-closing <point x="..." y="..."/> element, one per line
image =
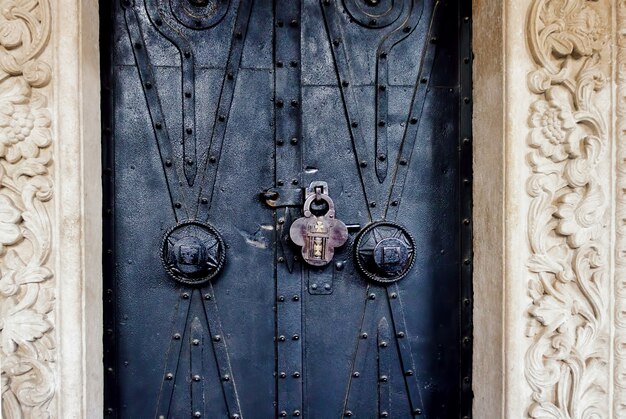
<point x="319" y="208"/>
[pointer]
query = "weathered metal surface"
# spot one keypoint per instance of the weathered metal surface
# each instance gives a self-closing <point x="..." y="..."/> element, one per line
<point x="216" y="113"/>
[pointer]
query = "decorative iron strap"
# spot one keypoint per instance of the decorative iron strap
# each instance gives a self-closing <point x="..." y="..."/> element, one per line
<point x="166" y="27"/>
<point x="384" y="369"/>
<point x="196" y="349"/>
<point x="288" y="160"/>
<point x="180" y="326"/>
<point x="362" y="155"/>
<point x="200" y="205"/>
<point x="390" y="207"/>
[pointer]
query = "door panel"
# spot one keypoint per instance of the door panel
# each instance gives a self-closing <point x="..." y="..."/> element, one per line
<point x="220" y="117"/>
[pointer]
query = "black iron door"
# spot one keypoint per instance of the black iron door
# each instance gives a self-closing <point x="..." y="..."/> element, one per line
<point x="287" y="208"/>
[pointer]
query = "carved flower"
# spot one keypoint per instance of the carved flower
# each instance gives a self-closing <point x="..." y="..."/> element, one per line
<point x="24" y="121"/>
<point x="553" y="125"/>
<point x="10" y="217"/>
<point x="20" y="326"/>
<point x="572" y="28"/>
<point x="580" y="216"/>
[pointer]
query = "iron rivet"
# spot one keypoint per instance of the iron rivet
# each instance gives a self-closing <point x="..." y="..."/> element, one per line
<point x="424" y="80"/>
<point x="384" y="378"/>
<point x="466" y="221"/>
<point x="336" y="42"/>
<point x="394" y="295"/>
<point x="467" y="380"/>
<point x="280" y="141"/>
<point x="207" y="297"/>
<point x="296" y="298"/>
<point x="433" y="40"/>
<point x="110" y="411"/>
<point x="409" y="373"/>
<point x="110" y="370"/>
<point x="296" y="413"/>
<point x="384" y="414"/>
<point x="466" y="262"/>
<point x="363" y="335"/>
<point x="195" y="342"/>
<point x="394" y="203"/>
<point x="403" y="161"/>
<point x="372" y="296"/>
<point x="466" y="181"/>
<point x="190" y="162"/>
<point x="327" y="287"/>
<point x="382" y="157"/>
<point x="466" y="60"/>
<point x="345" y="83"/>
<point x="281" y="259"/>
<point x="196" y="378"/>
<point x="230" y="76"/>
<point x="356" y="374"/>
<point x="355" y="124"/>
<point x="189" y="130"/>
<point x="383" y="55"/>
<point x="381" y="123"/>
<point x="148" y="85"/>
<point x="417" y="412"/>
<point x="339" y="266"/>
<point x="294" y="103"/>
<point x="348" y="413"/>
<point x="217" y="338"/>
<point x="283" y="414"/>
<point x="293" y="23"/>
<point x="187" y="54"/>
<point x="373" y="22"/>
<point x="294" y="141"/>
<point x="238" y="35"/>
<point x="326" y="2"/>
<point x="226" y="377"/>
<point x="281" y="298"/>
<point x="137" y="45"/>
<point x="466" y="340"/>
<point x="466" y="301"/>
<point x="281" y="338"/>
<point x="407" y="29"/>
<point x="466" y="19"/>
<point x="363" y="164"/>
<point x="212" y="159"/>
<point x="280" y="182"/>
<point x="373" y="204"/>
<point x="177" y="336"/>
<point x="282" y="375"/>
<point x="169" y="376"/>
<point x="204" y="201"/>
<point x="235" y="416"/>
<point x="185" y="296"/>
<point x="281" y="220"/>
<point x="314" y="286"/>
<point x="296" y="337"/>
<point x="382" y="87"/>
<point x="158" y="125"/>
<point x="466" y="99"/>
<point x="221" y="118"/>
<point x="178" y="205"/>
<point x="400" y="334"/>
<point x="279" y="23"/>
<point x="294" y="182"/>
<point x="414" y="120"/>
<point x="383" y="344"/>
<point x="280" y="103"/>
<point x="187" y="94"/>
<point x="168" y="163"/>
<point x="296" y="374"/>
<point x="466" y="141"/>
<point x="279" y="64"/>
<point x="293" y="63"/>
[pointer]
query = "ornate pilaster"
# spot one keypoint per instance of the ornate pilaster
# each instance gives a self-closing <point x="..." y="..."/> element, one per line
<point x="27" y="294"/>
<point x="569" y="154"/>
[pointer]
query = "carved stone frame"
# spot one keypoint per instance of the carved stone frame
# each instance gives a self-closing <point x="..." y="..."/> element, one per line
<point x="50" y="211"/>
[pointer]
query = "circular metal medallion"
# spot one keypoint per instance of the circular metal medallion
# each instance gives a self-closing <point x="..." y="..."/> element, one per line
<point x="384" y="252"/>
<point x="193" y="252"/>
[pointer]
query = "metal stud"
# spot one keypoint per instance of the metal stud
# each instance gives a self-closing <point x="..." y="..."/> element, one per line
<point x="279" y="103"/>
<point x="372" y="296"/>
<point x="400" y="335"/>
<point x="281" y="298"/>
<point x="282" y="375"/>
<point x="407" y="29"/>
<point x="348" y="413"/>
<point x="327" y="287"/>
<point x="281" y="338"/>
<point x="207" y="297"/>
<point x="226" y="377"/>
<point x="408" y="373"/>
<point x="195" y="342"/>
<point x="283" y="414"/>
<point x="295" y="337"/>
<point x="279" y="64"/>
<point x="176" y="336"/>
<point x="373" y="204"/>
<point x="185" y="295"/>
<point x="363" y="335"/>
<point x="168" y="163"/>
<point x="221" y="118"/>
<point x="383" y="344"/>
<point x="217" y="338"/>
<point x="293" y="23"/>
<point x="383" y="378"/>
<point x="414" y="120"/>
<point x="313" y="287"/>
<point x="381" y="123"/>
<point x="169" y="376"/>
<point x="356" y="374"/>
<point x="204" y="201"/>
<point x="296" y="298"/>
<point x="196" y="378"/>
<point x="403" y="162"/>
<point x="355" y="124"/>
<point x="382" y="157"/>
<point x="296" y="413"/>
<point x="394" y="295"/>
<point x="296" y="374"/>
<point x="187" y="94"/>
<point x="417" y="412"/>
<point x="212" y="159"/>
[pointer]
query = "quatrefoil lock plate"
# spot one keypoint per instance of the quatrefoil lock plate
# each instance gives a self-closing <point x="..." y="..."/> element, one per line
<point x="318" y="232"/>
<point x="384" y="252"/>
<point x="193" y="252"/>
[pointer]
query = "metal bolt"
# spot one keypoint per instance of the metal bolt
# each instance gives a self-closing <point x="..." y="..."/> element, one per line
<point x="466" y="262"/>
<point x="466" y="301"/>
<point x="400" y="334"/>
<point x="294" y="182"/>
<point x="221" y="118"/>
<point x="417" y="412"/>
<point x="283" y="414"/>
<point x="169" y="376"/>
<point x="177" y="336"/>
<point x="327" y="287"/>
<point x="196" y="378"/>
<point x="466" y="221"/>
<point x="372" y="296"/>
<point x="296" y="374"/>
<point x="281" y="220"/>
<point x="168" y="163"/>
<point x="185" y="295"/>
<point x="363" y="335"/>
<point x="394" y="295"/>
<point x="217" y="338"/>
<point x="313" y="287"/>
<point x="384" y="379"/>
<point x="394" y="203"/>
<point x="280" y="141"/>
<point x="282" y="375"/>
<point x="294" y="141"/>
<point x="296" y="413"/>
<point x="195" y="342"/>
<point x="148" y="85"/>
<point x="409" y="373"/>
<point x="466" y="340"/>
<point x="190" y="161"/>
<point x="296" y="298"/>
<point x="356" y="374"/>
<point x="373" y="204"/>
<point x="466" y="99"/>
<point x="178" y="205"/>
<point x="281" y="298"/>
<point x="281" y="338"/>
<point x="348" y="413"/>
<point x="383" y="344"/>
<point x="204" y="200"/>
<point x="384" y="414"/>
<point x="279" y="64"/>
<point x="207" y="297"/>
<point x="295" y="337"/>
<point x="226" y="377"/>
<point x="413" y="120"/>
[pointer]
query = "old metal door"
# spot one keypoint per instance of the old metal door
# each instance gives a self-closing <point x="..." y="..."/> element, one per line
<point x="287" y="208"/>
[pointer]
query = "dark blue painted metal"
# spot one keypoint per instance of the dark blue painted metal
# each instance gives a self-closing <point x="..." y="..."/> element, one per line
<point x="209" y="105"/>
